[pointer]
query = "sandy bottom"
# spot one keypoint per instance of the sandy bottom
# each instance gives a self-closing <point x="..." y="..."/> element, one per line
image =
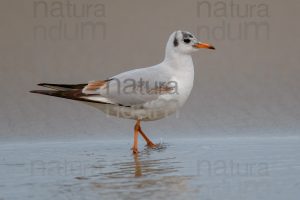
<point x="236" y="168"/>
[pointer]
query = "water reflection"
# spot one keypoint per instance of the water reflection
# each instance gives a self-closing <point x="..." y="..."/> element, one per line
<point x="148" y="174"/>
<point x="138" y="167"/>
<point x="143" y="164"/>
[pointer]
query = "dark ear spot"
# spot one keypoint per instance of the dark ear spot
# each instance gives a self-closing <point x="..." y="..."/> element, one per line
<point x="187" y="41"/>
<point x="175" y="42"/>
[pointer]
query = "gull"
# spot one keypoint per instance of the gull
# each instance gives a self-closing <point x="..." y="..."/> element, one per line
<point x="142" y="94"/>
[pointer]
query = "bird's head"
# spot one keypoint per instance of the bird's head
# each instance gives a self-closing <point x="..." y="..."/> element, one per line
<point x="184" y="42"/>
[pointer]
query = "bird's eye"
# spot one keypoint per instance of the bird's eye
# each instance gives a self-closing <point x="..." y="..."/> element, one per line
<point x="187" y="41"/>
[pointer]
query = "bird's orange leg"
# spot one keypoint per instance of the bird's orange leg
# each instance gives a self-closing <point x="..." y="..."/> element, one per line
<point x="135" y="137"/>
<point x="149" y="142"/>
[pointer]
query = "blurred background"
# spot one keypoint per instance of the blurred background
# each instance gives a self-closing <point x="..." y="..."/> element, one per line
<point x="249" y="86"/>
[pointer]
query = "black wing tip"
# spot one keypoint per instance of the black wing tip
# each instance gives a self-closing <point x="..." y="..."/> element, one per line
<point x="48" y="84"/>
<point x="45" y="92"/>
<point x="66" y="95"/>
<point x="43" y="84"/>
<point x="33" y="91"/>
<point x="64" y="86"/>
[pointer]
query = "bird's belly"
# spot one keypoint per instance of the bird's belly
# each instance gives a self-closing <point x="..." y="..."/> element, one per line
<point x="157" y="110"/>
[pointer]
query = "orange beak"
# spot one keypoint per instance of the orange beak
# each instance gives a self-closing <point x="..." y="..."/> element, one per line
<point x="203" y="45"/>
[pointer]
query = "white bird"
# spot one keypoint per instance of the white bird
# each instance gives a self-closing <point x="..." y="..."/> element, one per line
<point x="143" y="94"/>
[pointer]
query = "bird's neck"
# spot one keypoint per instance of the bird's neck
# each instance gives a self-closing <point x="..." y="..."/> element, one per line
<point x="178" y="60"/>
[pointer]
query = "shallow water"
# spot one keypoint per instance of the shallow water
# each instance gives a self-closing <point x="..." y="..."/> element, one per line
<point x="236" y="168"/>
